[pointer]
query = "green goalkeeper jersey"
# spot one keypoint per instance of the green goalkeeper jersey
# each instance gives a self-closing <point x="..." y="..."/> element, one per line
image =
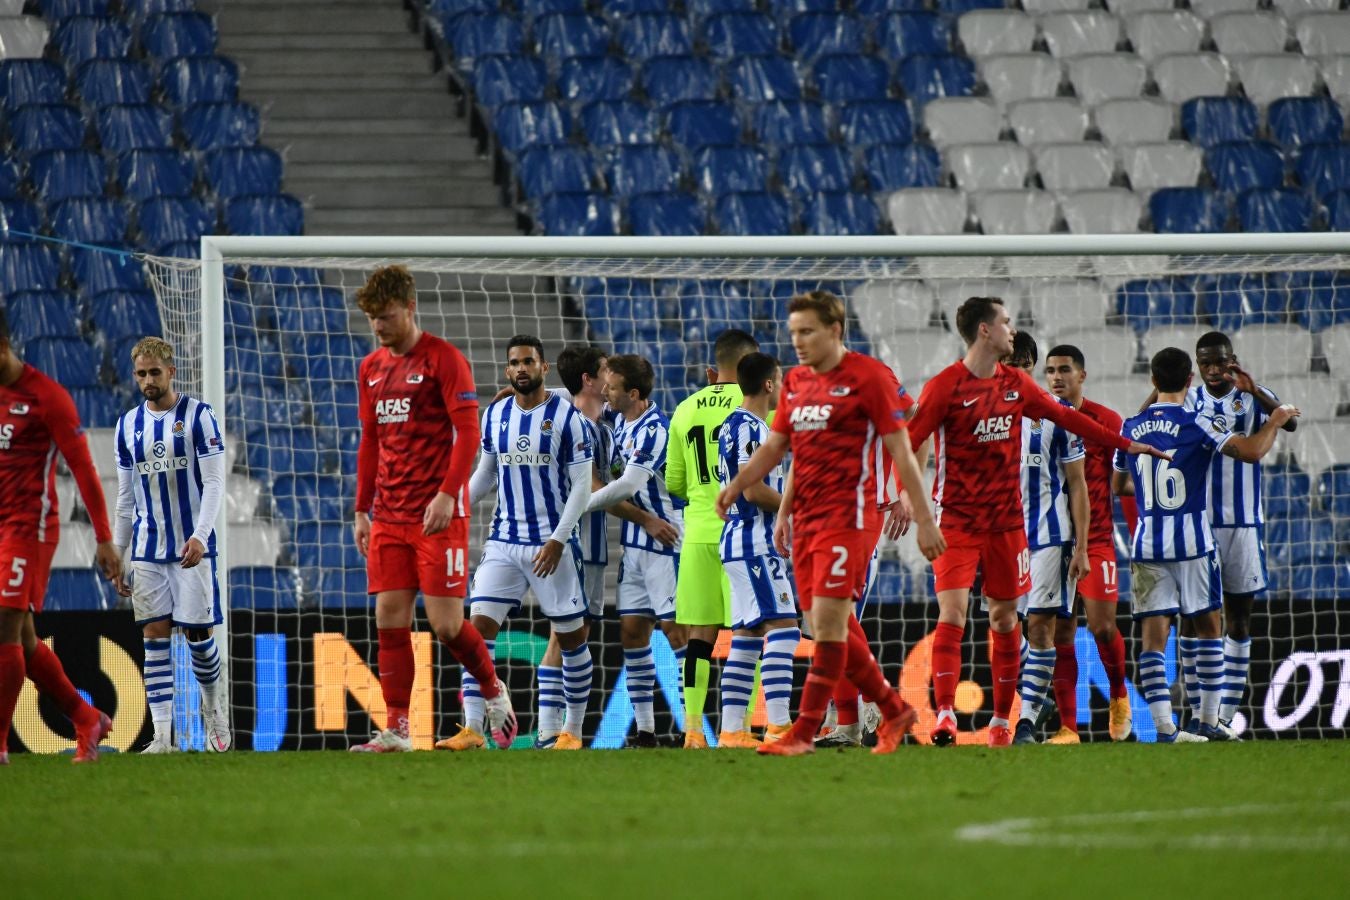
<point x="691" y="460"/>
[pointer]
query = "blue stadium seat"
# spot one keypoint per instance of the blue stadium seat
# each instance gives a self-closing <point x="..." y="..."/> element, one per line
<point x="82" y="38"/>
<point x="122" y="129"/>
<point x="666" y="215"/>
<point x="294" y="323"/>
<point x="845" y="78"/>
<point x="817" y="34"/>
<point x="334" y="403"/>
<point x="1333" y="490"/>
<point x="307" y="295"/>
<point x="12" y="179"/>
<point x="69" y="360"/>
<point x="1242" y="165"/>
<point x="1285" y="492"/>
<point x="280" y="451"/>
<point x="590" y="78"/>
<point x="1155" y="302"/>
<point x="97" y="271"/>
<point x="239" y="171"/>
<point x="20" y="216"/>
<point x="99" y="407"/>
<point x="477" y="34"/>
<point x="876" y="122"/>
<point x="533" y="9"/>
<point x="29" y="267"/>
<point x="704" y="9"/>
<point x="565" y="36"/>
<point x="509" y="79"/>
<point x="671" y="79"/>
<point x="808" y="168"/>
<point x="46" y="126"/>
<point x="548" y="170"/>
<point x="145" y="174"/>
<point x="1317" y="300"/>
<point x="39" y="314"/>
<point x="62" y="174"/>
<point x="170" y="220"/>
<point x="791" y="122"/>
<point x="707" y="123"/>
<point x="957" y="7"/>
<point x="326" y="545"/>
<point x="882" y="7"/>
<point x="90" y="220"/>
<point x="786" y="9"/>
<point x="519" y="126"/>
<point x="890" y="167"/>
<point x="647" y="35"/>
<point x="1189" y="211"/>
<point x="1295" y="121"/>
<point x="261" y="357"/>
<point x="104" y="82"/>
<point x="926" y="78"/>
<point x="577" y="214"/>
<point x="1324" y="168"/>
<point x="734" y="35"/>
<point x="139" y="10"/>
<point x="78" y="590"/>
<point x="725" y="170"/>
<point x="760" y="79"/>
<point x="1338" y="210"/>
<point x="1213" y="120"/>
<point x="27" y="81"/>
<point x="210" y="126"/>
<point x="914" y="34"/>
<point x="123" y="314"/>
<point x="275" y="214"/>
<point x="840" y="212"/>
<point x="642" y="169"/>
<point x="620" y="9"/>
<point x="199" y="79"/>
<point x="119" y="354"/>
<point x="1275" y="210"/>
<point x="178" y="34"/>
<point x="310" y="498"/>
<point x="263" y="588"/>
<point x="606" y="124"/>
<point x="753" y="213"/>
<point x="344" y="589"/>
<point x="1318" y="581"/>
<point x="1233" y="301"/>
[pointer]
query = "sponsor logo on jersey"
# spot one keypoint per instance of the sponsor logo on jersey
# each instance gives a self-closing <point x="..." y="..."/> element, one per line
<point x="393" y="410"/>
<point x="19" y="409"/>
<point x="416" y="379"/>
<point x="1033" y="460"/>
<point x="994" y="428"/>
<point x="157" y="466"/>
<point x="6" y="435"/>
<point x="159" y="450"/>
<point x="840" y="390"/>
<point x="811" y="417"/>
<point x="1219" y="423"/>
<point x="371" y="382"/>
<point x="523" y="442"/>
<point x="525" y="459"/>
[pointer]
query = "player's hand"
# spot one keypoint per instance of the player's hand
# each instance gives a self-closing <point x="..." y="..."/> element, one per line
<point x="1137" y="448"/>
<point x="782" y="536"/>
<point x="546" y="560"/>
<point x="120" y="585"/>
<point x="361" y="533"/>
<point x="192" y="553"/>
<point x="1283" y="413"/>
<point x="725" y="500"/>
<point x="931" y="542"/>
<point x="661" y="530"/>
<point x="109" y="561"/>
<point x="1240" y="379"/>
<point x="439" y="512"/>
<point x="899" y="516"/>
<point x="1079" y="566"/>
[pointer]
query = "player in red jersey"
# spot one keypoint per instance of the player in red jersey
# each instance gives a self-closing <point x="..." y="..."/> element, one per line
<point x="831" y="410"/>
<point x="37" y="421"/>
<point x="1065" y="372"/>
<point x="975" y="407"/>
<point x="419" y="435"/>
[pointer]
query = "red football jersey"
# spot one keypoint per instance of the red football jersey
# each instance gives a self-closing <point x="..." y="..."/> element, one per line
<point x="833" y="421"/>
<point x="888" y="486"/>
<point x="406" y="403"/>
<point x="1097" y="469"/>
<point x="37" y="421"/>
<point x="978" y="422"/>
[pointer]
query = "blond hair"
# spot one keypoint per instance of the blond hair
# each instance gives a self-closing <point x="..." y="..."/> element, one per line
<point x="390" y="284"/>
<point x="153" y="347"/>
<point x="824" y="304"/>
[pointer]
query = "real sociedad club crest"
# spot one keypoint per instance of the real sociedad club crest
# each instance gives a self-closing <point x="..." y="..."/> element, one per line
<point x="177" y="427"/>
<point x="546" y="426"/>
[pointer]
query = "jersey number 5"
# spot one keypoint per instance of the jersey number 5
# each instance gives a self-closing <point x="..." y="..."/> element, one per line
<point x="17" y="568"/>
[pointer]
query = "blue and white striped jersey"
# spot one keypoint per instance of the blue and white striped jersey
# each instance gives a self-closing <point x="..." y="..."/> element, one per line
<point x="1234" y="486"/>
<point x="534" y="449"/>
<point x="748" y="531"/>
<point x="592" y="527"/>
<point x="163" y="451"/>
<point x="1045" y="504"/>
<point x="1172" y="496"/>
<point x="642" y="443"/>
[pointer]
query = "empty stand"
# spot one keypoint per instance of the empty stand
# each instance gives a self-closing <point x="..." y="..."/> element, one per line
<point x="996" y="165"/>
<point x="1185" y="76"/>
<point x="927" y="211"/>
<point x="1098" y="77"/>
<point x="1021" y="76"/>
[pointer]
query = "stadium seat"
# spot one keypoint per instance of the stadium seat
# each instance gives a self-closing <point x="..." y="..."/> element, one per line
<point x="1159" y="33"/>
<point x="845" y="78"/>
<point x="278" y="214"/>
<point x="762" y="79"/>
<point x="1027" y="211"/>
<point x="919" y="354"/>
<point x="545" y="170"/>
<point x="987" y="32"/>
<point x="1233" y="302"/>
<point x="20" y="216"/>
<point x="698" y="124"/>
<point x="104" y="82"/>
<point x="1140" y="120"/>
<point x="591" y="78"/>
<point x="145" y="174"/>
<point x="169" y="220"/>
<point x="958" y="7"/>
<point x="520" y="126"/>
<point x="1212" y="120"/>
<point x="1056" y="304"/>
<point x="807" y="168"/>
<point x="606" y="124"/>
<point x="1249" y="33"/>
<point x="882" y="7"/>
<point x="904" y="34"/>
<point x="1021" y="76"/>
<point x="927" y="211"/>
<point x="263" y="588"/>
<point x="1282" y="349"/>
<point x="815" y="34"/>
<point x="1162" y="165"/>
<point x="1323" y="168"/>
<point x="96" y="271"/>
<point x="1335" y="72"/>
<point x="1099" y="77"/>
<point x="1101" y="211"/>
<point x="642" y="169"/>
<point x="294" y="322"/>
<point x="1319" y="581"/>
<point x="962" y="120"/>
<point x="1323" y="34"/>
<point x="1276" y="210"/>
<point x="1338" y="210"/>
<point x="1185" y="76"/>
<point x="211" y="126"/>
<point x="178" y="34"/>
<point x="566" y="36"/>
<point x="723" y="170"/>
<point x="1111" y="350"/>
<point x="67" y="359"/>
<point x="59" y="175"/>
<point x="310" y="498"/>
<point x="1266" y="79"/>
<point x="1320" y="300"/>
<point x="666" y="215"/>
<point x="998" y="165"/>
<point x="576" y="214"/>
<point x="122" y="129"/>
<point x="78" y="590"/>
<point x="1070" y="34"/>
<point x="730" y="36"/>
<point x="865" y="123"/>
<point x="1074" y="166"/>
<point x="90" y="220"/>
<point x="12" y="180"/>
<point x="1318" y="396"/>
<point x="24" y="37"/>
<point x="325" y="545"/>
<point x="1296" y="542"/>
<point x="98" y="407"/>
<point x="46" y="126"/>
<point x="647" y="35"/>
<point x="890" y="167"/>
<point x="509" y="79"/>
<point x="1148" y="303"/>
<point x="1242" y="165"/>
<point x="1124" y="395"/>
<point x="39" y="314"/>
<point x="199" y="79"/>
<point x="1183" y="210"/>
<point x="791" y="122"/>
<point x="121" y="314"/>
<point x="752" y="213"/>
<point x="1208" y="9"/>
<point x="1049" y="121"/>
<point x="894" y="304"/>
<point x="24" y="82"/>
<point x="926" y="78"/>
<point x="840" y="212"/>
<point x="1295" y="121"/>
<point x="672" y="79"/>
<point x="241" y="171"/>
<point x="473" y="35"/>
<point x="704" y="9"/>
<point x="139" y="10"/>
<point x="29" y="267"/>
<point x="1286" y="491"/>
<point x="82" y="38"/>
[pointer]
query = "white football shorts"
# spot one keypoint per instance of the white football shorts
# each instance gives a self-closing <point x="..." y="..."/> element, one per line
<point x="1188" y="586"/>
<point x="647" y="584"/>
<point x="1242" y="559"/>
<point x="506" y="572"/>
<point x="761" y="590"/>
<point x="190" y="598"/>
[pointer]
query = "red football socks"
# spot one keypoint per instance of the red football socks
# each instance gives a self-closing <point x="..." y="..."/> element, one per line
<point x="50" y="677"/>
<point x="946" y="664"/>
<point x="396" y="674"/>
<point x="472" y="653"/>
<point x="827" y="667"/>
<point x="1005" y="660"/>
<point x="846" y="702"/>
<point x="1066" y="686"/>
<point x="11" y="680"/>
<point x="1112" y="653"/>
<point x="862" y="669"/>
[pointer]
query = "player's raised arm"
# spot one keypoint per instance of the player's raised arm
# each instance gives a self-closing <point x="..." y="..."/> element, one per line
<point x="64" y="423"/>
<point x="1252" y="448"/>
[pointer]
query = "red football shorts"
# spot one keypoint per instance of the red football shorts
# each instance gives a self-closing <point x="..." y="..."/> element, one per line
<point x="1002" y="557"/>
<point x="833" y="563"/>
<point x="1100" y="583"/>
<point x="402" y="558"/>
<point x="25" y="564"/>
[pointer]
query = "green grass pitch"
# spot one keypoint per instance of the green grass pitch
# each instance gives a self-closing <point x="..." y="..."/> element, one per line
<point x="1248" y="820"/>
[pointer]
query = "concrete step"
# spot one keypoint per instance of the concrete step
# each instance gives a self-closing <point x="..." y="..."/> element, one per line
<point x="284" y="18"/>
<point x="335" y="63"/>
<point x="399" y="229"/>
<point x="355" y="217"/>
<point x="418" y="82"/>
<point x="411" y="192"/>
<point x="393" y="150"/>
<point x="217" y="6"/>
<point x="367" y="170"/>
<point x="381" y="128"/>
<point x="328" y="105"/>
<point x="232" y="44"/>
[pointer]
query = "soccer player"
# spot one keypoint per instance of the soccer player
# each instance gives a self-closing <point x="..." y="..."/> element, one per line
<point x="418" y="407"/>
<point x="37" y="421"/>
<point x="537" y="455"/>
<point x="702" y="592"/>
<point x="976" y="406"/>
<point x="170" y="455"/>
<point x="1065" y="373"/>
<point x="1174" y="567"/>
<point x="647" y="571"/>
<point x="763" y="613"/>
<point x="1055" y="510"/>
<point x="831" y="409"/>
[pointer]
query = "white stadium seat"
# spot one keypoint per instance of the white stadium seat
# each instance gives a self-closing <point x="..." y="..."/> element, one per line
<point x="1336" y="76"/>
<point x="1130" y="7"/>
<point x="1184" y="76"/>
<point x="1124" y="395"/>
<point x="918" y="355"/>
<point x="1317" y="445"/>
<point x="1020" y="76"/>
<point x="1074" y="166"/>
<point x="1292" y="9"/>
<point x="1316" y="396"/>
<point x="66" y="492"/>
<point x="253" y="544"/>
<point x="1336" y="349"/>
<point x="1016" y="212"/>
<point x="1208" y="9"/>
<point x="1071" y="34"/>
<point x="1156" y="34"/>
<point x="894" y="305"/>
<point x="1324" y="34"/>
<point x="1067" y="304"/>
<point x="1141" y="120"/>
<point x="927" y="211"/>
<point x="1160" y="165"/>
<point x="1099" y="77"/>
<point x="1102" y="211"/>
<point x="1182" y="336"/>
<point x="22" y="37"/>
<point x="1108" y="352"/>
<point x="951" y="293"/>
<point x="76" y="549"/>
<point x="962" y="120"/>
<point x="998" y="165"/>
<point x="1038" y="7"/>
<point x="1050" y="121"/>
<point x="1282" y="349"/>
<point x="985" y="32"/>
<point x="1274" y="76"/>
<point x="243" y="497"/>
<point x="1240" y="33"/>
<point x="102" y="447"/>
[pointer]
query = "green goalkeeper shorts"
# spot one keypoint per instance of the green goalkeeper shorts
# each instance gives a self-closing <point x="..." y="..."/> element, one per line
<point x="702" y="592"/>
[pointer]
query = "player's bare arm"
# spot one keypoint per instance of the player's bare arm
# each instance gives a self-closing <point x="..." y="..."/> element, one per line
<point x="763" y="496"/>
<point x="1243" y="381"/>
<point x="1121" y="484"/>
<point x="782" y="526"/>
<point x="759" y="465"/>
<point x="1075" y="482"/>
<point x="1253" y="448"/>
<point x="439" y="512"/>
<point x="931" y="542"/>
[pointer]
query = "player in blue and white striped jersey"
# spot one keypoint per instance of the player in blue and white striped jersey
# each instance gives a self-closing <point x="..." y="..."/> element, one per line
<point x="1174" y="565"/>
<point x="1232" y="396"/>
<point x="170" y="455"/>
<point x="763" y="610"/>
<point x="647" y="572"/>
<point x="1053" y="486"/>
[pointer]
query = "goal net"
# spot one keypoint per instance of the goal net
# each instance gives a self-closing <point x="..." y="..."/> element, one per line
<point x="269" y="332"/>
